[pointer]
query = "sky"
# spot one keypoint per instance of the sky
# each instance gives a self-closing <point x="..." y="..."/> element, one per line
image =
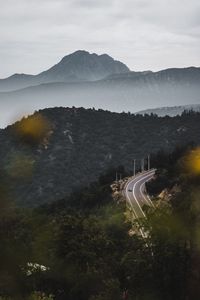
<point x="144" y="34"/>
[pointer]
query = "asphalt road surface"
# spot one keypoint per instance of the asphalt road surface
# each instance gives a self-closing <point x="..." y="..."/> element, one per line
<point x="136" y="195"/>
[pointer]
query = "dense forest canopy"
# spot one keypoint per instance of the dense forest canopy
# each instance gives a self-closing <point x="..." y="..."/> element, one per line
<point x="80" y="248"/>
<point x="48" y="155"/>
<point x="79" y="245"/>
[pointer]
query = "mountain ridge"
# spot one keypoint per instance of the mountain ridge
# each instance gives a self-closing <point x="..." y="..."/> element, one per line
<point x="170" y="111"/>
<point x="81" y="144"/>
<point x="80" y="66"/>
<point x="77" y="66"/>
<point x="130" y="91"/>
<point x="91" y="80"/>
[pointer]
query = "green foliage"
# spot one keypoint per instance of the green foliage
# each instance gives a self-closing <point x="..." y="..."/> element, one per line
<point x="40" y="296"/>
<point x="169" y="169"/>
<point x="79" y="248"/>
<point x="68" y="249"/>
<point x="175" y="232"/>
<point x="72" y="147"/>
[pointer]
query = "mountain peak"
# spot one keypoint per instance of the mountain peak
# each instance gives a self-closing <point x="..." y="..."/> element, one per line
<point x="84" y="54"/>
<point x="78" y="66"/>
<point x="82" y="65"/>
<point x="77" y="53"/>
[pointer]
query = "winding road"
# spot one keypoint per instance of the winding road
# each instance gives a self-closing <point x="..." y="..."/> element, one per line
<point x="136" y="195"/>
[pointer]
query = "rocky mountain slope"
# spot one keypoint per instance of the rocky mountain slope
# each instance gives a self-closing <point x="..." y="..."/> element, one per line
<point x="78" y="66"/>
<point x="132" y="91"/>
<point x="48" y="155"/>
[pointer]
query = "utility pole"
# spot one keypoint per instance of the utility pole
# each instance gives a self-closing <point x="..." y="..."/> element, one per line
<point x="116" y="177"/>
<point x="120" y="176"/>
<point x="134" y="162"/>
<point x="142" y="164"/>
<point x="149" y="166"/>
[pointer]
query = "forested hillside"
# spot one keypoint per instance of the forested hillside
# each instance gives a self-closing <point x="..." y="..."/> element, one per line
<point x="175" y="221"/>
<point x="82" y="248"/>
<point x="46" y="156"/>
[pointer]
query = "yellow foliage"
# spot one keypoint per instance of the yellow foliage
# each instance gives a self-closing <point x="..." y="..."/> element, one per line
<point x="34" y="128"/>
<point x="192" y="161"/>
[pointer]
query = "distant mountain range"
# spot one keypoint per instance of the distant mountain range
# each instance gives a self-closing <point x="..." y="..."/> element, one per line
<point x="89" y="80"/>
<point x="78" y="146"/>
<point x="170" y="111"/>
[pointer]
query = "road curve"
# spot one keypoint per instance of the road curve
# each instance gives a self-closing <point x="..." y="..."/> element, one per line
<point x="136" y="195"/>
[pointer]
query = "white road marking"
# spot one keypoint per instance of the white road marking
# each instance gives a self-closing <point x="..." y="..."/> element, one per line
<point x="134" y="191"/>
<point x="140" y="178"/>
<point x="131" y="204"/>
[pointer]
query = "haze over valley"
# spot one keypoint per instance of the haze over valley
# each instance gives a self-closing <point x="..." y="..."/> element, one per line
<point x="89" y="80"/>
<point x="99" y="150"/>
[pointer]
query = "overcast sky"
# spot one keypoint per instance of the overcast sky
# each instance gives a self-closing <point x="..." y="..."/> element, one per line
<point x="144" y="34"/>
